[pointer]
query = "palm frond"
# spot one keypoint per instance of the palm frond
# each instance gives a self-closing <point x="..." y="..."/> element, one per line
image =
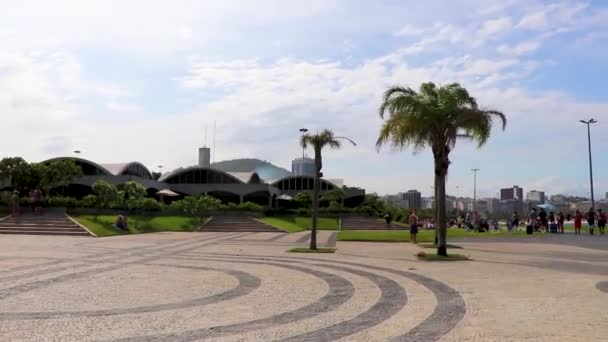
<point x="390" y="93"/>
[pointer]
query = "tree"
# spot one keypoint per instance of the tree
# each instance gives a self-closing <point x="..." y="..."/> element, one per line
<point x="318" y="141"/>
<point x="303" y="199"/>
<point x="334" y="195"/>
<point x="435" y="118"/>
<point x="107" y="194"/>
<point x="61" y="173"/>
<point x="18" y="174"/>
<point x="134" y="193"/>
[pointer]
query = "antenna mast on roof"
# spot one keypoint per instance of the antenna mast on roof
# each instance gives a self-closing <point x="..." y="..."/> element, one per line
<point x="205" y="145"/>
<point x="214" y="146"/>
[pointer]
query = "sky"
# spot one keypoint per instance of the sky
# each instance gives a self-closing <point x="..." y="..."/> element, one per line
<point x="148" y="81"/>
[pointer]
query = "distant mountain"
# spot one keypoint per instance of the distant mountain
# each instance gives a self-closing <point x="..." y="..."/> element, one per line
<point x="267" y="171"/>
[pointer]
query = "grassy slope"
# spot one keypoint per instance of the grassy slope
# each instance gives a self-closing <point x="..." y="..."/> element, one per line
<point x="404" y="236"/>
<point x="285" y="225"/>
<point x="102" y="224"/>
<point x="298" y="224"/>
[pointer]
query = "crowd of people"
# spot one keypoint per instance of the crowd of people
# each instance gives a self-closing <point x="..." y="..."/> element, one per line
<point x="536" y="221"/>
<point x="36" y="202"/>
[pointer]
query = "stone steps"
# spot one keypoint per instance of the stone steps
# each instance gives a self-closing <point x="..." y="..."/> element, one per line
<point x="236" y="224"/>
<point x="45" y="224"/>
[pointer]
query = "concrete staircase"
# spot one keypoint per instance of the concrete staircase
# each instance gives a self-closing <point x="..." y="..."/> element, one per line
<point x="236" y="224"/>
<point x="43" y="224"/>
<point x="366" y="223"/>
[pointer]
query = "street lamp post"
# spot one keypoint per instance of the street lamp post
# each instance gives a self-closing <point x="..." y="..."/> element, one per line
<point x="588" y="123"/>
<point x="474" y="189"/>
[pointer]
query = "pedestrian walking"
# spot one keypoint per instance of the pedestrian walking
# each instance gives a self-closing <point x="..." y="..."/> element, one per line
<point x="532" y="221"/>
<point x="601" y="221"/>
<point x="413" y="226"/>
<point x="15" y="208"/>
<point x="591" y="218"/>
<point x="515" y="220"/>
<point x="560" y="222"/>
<point x="388" y="218"/>
<point x="578" y="222"/>
<point x="542" y="215"/>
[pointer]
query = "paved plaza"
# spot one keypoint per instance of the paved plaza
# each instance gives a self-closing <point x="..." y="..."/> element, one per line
<point x="245" y="287"/>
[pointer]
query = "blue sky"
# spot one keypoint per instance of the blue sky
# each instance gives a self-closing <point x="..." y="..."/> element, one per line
<point x="134" y="81"/>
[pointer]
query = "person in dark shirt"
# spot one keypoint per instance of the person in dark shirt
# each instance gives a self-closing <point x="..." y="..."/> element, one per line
<point x="542" y="215"/>
<point x="388" y="218"/>
<point x="591" y="220"/>
<point x="601" y="221"/>
<point x="560" y="222"/>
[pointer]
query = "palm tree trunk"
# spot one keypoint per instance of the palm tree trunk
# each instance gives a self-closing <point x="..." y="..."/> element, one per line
<point x="441" y="165"/>
<point x="435" y="218"/>
<point x="315" y="201"/>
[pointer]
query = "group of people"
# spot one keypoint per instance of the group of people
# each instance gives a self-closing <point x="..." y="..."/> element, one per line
<point x="554" y="223"/>
<point x="36" y="202"/>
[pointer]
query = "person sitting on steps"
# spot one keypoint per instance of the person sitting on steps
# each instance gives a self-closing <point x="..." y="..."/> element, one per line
<point x="121" y="223"/>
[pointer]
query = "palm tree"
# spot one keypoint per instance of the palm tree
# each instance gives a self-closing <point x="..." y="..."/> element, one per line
<point x="318" y="142"/>
<point x="435" y="117"/>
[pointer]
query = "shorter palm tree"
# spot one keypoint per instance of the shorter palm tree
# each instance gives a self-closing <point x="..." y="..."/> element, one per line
<point x="318" y="142"/>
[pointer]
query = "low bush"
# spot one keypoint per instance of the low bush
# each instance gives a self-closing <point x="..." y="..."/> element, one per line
<point x="150" y="204"/>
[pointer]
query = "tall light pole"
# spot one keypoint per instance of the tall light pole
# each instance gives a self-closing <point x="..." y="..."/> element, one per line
<point x="588" y="123"/>
<point x="303" y="131"/>
<point x="474" y="189"/>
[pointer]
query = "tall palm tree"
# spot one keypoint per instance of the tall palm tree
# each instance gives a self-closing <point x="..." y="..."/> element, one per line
<point x="435" y="117"/>
<point x="318" y="142"/>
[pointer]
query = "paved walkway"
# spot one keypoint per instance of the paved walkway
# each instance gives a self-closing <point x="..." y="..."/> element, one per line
<point x="244" y="287"/>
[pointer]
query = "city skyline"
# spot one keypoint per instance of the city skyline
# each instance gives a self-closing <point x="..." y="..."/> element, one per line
<point x="117" y="85"/>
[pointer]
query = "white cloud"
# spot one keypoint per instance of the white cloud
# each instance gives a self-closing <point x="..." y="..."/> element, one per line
<point x="409" y="30"/>
<point x="495" y="26"/>
<point x="123" y="107"/>
<point x="534" y="21"/>
<point x="519" y="49"/>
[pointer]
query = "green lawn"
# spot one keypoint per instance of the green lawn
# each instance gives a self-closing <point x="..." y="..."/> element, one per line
<point x="101" y="225"/>
<point x="404" y="236"/>
<point x="297" y="224"/>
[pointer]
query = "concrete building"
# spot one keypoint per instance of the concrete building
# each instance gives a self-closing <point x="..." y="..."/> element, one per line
<point x="232" y="187"/>
<point x="303" y="167"/>
<point x="513" y="193"/>
<point x="536" y="196"/>
<point x="413" y="198"/>
<point x="493" y="205"/>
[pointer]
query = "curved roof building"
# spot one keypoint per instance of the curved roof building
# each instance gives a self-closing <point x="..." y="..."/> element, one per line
<point x="201" y="179"/>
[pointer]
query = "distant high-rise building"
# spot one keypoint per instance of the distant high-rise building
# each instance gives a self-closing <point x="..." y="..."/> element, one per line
<point x="514" y="193"/>
<point x="536" y="196"/>
<point x="303" y="167"/>
<point x="493" y="205"/>
<point x="413" y="199"/>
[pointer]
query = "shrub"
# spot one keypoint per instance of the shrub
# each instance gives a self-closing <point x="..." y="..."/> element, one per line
<point x="150" y="204"/>
<point x="89" y="201"/>
<point x="250" y="206"/>
<point x="67" y="202"/>
<point x="107" y="194"/>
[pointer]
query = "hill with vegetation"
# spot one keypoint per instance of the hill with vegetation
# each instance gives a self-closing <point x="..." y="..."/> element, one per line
<point x="265" y="170"/>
